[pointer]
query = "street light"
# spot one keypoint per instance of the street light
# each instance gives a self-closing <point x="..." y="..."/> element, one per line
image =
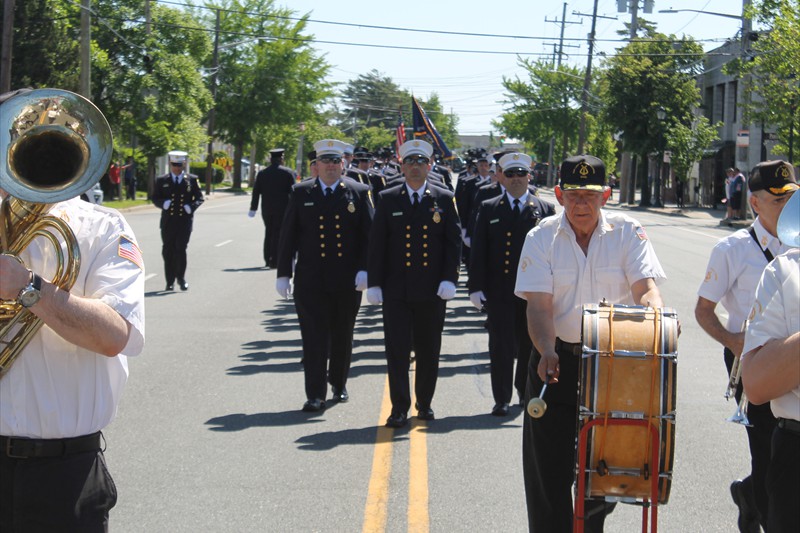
<point x="727" y="15"/>
<point x="300" y="158"/>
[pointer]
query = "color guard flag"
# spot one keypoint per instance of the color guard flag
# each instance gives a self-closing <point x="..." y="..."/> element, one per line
<point x="401" y="134"/>
<point x="423" y="126"/>
<point x="128" y="250"/>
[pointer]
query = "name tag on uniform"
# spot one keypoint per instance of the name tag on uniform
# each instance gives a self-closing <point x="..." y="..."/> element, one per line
<point x="493" y="221"/>
<point x="397" y="214"/>
<point x="308" y="204"/>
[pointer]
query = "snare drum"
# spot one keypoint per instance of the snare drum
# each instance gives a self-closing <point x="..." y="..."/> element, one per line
<point x="628" y="372"/>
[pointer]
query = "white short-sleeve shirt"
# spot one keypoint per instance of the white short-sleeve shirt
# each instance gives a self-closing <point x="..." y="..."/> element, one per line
<point x="55" y="389"/>
<point x="776" y="315"/>
<point x="733" y="271"/>
<point x="619" y="255"/>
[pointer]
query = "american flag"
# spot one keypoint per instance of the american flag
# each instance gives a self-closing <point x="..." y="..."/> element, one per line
<point x="401" y="133"/>
<point x="128" y="250"/>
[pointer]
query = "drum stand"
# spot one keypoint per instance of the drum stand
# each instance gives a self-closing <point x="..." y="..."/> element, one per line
<point x="580" y="498"/>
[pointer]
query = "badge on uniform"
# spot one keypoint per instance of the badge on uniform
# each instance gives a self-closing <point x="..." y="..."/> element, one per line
<point x="351" y="208"/>
<point x="436" y="216"/>
<point x="309" y="204"/>
<point x="640" y="232"/>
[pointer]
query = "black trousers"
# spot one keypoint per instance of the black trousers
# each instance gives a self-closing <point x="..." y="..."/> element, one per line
<point x="759" y="437"/>
<point x="327" y="319"/>
<point x="508" y="340"/>
<point x="272" y="233"/>
<point x="783" y="482"/>
<point x="549" y="454"/>
<point x="417" y="324"/>
<point x="175" y="233"/>
<point x="56" y="494"/>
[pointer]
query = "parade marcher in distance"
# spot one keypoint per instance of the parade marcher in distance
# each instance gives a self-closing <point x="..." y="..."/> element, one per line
<point x="326" y="228"/>
<point x="500" y="229"/>
<point x="771" y="370"/>
<point x="273" y="185"/>
<point x="178" y="195"/>
<point x="734" y="268"/>
<point x="414" y="257"/>
<point x="578" y="257"/>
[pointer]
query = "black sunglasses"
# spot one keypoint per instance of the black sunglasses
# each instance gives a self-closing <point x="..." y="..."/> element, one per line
<point x="411" y="160"/>
<point x="518" y="172"/>
<point x="331" y="160"/>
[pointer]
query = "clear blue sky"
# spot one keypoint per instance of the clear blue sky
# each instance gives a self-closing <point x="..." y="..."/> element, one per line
<point x="469" y="83"/>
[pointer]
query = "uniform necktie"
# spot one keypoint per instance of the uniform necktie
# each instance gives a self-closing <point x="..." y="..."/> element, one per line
<point x="415" y="201"/>
<point x="516" y="207"/>
<point x="328" y="192"/>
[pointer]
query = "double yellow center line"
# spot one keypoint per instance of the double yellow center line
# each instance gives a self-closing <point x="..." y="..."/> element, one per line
<point x="376" y="509"/>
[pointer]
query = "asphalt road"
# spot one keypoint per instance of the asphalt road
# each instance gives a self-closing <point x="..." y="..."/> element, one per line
<point x="210" y="436"/>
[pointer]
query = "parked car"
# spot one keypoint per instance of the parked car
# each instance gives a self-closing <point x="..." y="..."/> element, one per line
<point x="94" y="195"/>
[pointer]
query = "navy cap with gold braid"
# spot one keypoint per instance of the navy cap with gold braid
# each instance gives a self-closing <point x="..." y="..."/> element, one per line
<point x="775" y="177"/>
<point x="583" y="172"/>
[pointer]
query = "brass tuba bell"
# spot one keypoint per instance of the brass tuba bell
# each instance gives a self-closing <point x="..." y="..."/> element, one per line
<point x="57" y="145"/>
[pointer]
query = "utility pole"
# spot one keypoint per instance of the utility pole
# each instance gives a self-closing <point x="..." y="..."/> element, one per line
<point x="86" y="49"/>
<point x="586" y="82"/>
<point x="550" y="163"/>
<point x="212" y="111"/>
<point x="7" y="43"/>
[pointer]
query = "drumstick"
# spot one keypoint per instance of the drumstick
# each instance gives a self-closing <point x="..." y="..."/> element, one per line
<point x="537" y="406"/>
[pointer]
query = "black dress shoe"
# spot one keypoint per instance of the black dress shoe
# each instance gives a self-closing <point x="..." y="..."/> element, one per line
<point x="500" y="409"/>
<point x="340" y="396"/>
<point x="396" y="420"/>
<point x="748" y="514"/>
<point x="425" y="413"/>
<point x="313" y="406"/>
<point x="170" y="287"/>
<point x="183" y="285"/>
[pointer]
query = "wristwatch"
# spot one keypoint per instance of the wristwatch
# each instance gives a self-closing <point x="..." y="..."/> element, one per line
<point x="32" y="292"/>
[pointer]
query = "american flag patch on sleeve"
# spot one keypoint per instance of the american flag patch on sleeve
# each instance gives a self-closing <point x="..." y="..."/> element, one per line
<point x="640" y="232"/>
<point x="128" y="250"/>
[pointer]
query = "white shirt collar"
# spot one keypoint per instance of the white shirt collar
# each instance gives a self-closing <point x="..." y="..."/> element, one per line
<point x="522" y="199"/>
<point x="420" y="192"/>
<point x="332" y="186"/>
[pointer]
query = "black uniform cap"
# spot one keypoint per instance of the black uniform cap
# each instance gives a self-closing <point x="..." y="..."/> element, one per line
<point x="583" y="172"/>
<point x="775" y="177"/>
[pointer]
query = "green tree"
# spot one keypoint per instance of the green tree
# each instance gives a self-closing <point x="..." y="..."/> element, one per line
<point x="269" y="76"/>
<point x="646" y="75"/>
<point x="373" y="137"/>
<point x="45" y="44"/>
<point x="688" y="143"/>
<point x="544" y="106"/>
<point x="775" y="68"/>
<point x="372" y="100"/>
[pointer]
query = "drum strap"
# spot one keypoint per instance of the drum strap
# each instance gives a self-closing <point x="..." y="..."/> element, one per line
<point x="767" y="254"/>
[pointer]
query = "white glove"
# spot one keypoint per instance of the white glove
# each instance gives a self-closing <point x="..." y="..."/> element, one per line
<point x="187" y="208"/>
<point x="477" y="298"/>
<point x="251" y="214"/>
<point x="166" y="204"/>
<point x="284" y="287"/>
<point x="361" y="280"/>
<point x="375" y="295"/>
<point x="447" y="290"/>
<point x="467" y="242"/>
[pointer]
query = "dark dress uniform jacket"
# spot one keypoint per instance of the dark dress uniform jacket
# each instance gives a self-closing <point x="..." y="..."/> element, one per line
<point x="412" y="250"/>
<point x="273" y="186"/>
<point x="187" y="192"/>
<point x="497" y="244"/>
<point x="329" y="236"/>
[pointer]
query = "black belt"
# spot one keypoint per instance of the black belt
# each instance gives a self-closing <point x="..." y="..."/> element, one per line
<point x="22" y="448"/>
<point x="573" y="348"/>
<point x="792" y="426"/>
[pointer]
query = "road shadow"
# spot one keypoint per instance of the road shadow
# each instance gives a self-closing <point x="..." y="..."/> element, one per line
<point x="328" y="440"/>
<point x="241" y="421"/>
<point x="246" y="269"/>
